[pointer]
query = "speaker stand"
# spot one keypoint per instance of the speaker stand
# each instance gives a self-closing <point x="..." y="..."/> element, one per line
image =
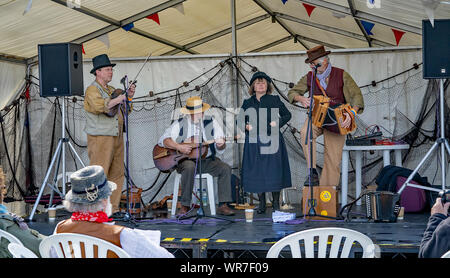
<point x="442" y="141"/>
<point x="60" y="154"/>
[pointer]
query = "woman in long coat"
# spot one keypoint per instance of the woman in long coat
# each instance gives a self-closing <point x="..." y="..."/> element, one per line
<point x="264" y="169"/>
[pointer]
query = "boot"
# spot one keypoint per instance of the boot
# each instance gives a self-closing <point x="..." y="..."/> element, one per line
<point x="262" y="203"/>
<point x="276" y="200"/>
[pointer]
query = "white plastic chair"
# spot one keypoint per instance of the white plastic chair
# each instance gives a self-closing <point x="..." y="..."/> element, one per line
<point x="68" y="245"/>
<point x="11" y="238"/>
<point x="321" y="235"/>
<point x="20" y="251"/>
<point x="446" y="255"/>
<point x="210" y="187"/>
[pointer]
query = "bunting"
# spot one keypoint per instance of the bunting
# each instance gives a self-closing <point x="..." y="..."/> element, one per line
<point x="28" y="8"/>
<point x="180" y="8"/>
<point x="104" y="39"/>
<point x="82" y="49"/>
<point x="309" y="8"/>
<point x="128" y="27"/>
<point x="398" y="35"/>
<point x="284" y="1"/>
<point x="155" y="17"/>
<point x="430" y="6"/>
<point x="367" y="26"/>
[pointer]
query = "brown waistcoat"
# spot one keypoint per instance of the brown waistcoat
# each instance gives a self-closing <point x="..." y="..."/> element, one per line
<point x="110" y="233"/>
<point x="335" y="87"/>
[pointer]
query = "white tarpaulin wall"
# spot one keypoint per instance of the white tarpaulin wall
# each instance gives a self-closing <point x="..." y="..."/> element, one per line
<point x="149" y="118"/>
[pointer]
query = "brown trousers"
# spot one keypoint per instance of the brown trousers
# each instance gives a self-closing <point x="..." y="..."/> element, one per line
<point x="108" y="152"/>
<point x="333" y="145"/>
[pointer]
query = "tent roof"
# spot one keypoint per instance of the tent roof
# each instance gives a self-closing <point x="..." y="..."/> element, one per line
<point x="204" y="27"/>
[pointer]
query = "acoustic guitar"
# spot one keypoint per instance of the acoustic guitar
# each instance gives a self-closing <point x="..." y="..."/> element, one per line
<point x="165" y="159"/>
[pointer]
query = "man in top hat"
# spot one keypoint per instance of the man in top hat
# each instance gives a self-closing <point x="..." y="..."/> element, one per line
<point x="105" y="129"/>
<point x="187" y="130"/>
<point x="89" y="202"/>
<point x="340" y="87"/>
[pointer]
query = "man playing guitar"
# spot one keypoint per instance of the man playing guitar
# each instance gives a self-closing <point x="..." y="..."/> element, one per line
<point x="187" y="130"/>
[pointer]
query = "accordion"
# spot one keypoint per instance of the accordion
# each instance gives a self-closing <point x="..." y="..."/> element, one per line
<point x="382" y="206"/>
<point x="324" y="115"/>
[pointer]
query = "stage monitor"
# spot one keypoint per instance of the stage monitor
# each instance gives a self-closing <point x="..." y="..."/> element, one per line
<point x="435" y="49"/>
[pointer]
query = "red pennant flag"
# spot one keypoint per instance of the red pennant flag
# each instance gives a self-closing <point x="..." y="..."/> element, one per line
<point x="27" y="93"/>
<point x="82" y="49"/>
<point x="154" y="17"/>
<point x="309" y="8"/>
<point x="398" y="35"/>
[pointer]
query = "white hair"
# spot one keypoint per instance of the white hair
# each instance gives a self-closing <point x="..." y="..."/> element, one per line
<point x="97" y="206"/>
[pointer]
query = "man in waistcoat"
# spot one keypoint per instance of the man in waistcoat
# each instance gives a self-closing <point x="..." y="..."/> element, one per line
<point x="340" y="87"/>
<point x="105" y="128"/>
<point x="187" y="130"/>
<point x="89" y="202"/>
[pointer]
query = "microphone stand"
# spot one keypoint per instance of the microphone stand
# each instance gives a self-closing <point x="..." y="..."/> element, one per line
<point x="201" y="210"/>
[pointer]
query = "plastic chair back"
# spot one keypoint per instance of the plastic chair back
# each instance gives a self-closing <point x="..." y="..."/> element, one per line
<point x="339" y="237"/>
<point x="20" y="251"/>
<point x="69" y="245"/>
<point x="11" y="238"/>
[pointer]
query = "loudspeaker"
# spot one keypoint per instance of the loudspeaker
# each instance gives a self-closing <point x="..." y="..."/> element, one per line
<point x="60" y="69"/>
<point x="435" y="49"/>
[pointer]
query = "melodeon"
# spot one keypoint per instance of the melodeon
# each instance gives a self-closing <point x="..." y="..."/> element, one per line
<point x="322" y="114"/>
<point x="382" y="206"/>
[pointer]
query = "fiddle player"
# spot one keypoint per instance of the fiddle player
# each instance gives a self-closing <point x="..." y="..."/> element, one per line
<point x="340" y="87"/>
<point x="105" y="129"/>
<point x="187" y="130"/>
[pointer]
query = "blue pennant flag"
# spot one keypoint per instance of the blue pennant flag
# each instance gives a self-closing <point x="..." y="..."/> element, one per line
<point x="367" y="26"/>
<point x="284" y="1"/>
<point x="128" y="27"/>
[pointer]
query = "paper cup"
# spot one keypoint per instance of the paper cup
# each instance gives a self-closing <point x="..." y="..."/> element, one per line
<point x="51" y="214"/>
<point x="249" y="215"/>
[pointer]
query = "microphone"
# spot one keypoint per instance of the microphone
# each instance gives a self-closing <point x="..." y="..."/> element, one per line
<point x="123" y="79"/>
<point x="318" y="65"/>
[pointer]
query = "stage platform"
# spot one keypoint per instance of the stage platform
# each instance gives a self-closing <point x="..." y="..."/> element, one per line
<point x="219" y="238"/>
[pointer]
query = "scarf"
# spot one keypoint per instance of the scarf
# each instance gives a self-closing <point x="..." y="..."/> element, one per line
<point x="98" y="217"/>
<point x="323" y="76"/>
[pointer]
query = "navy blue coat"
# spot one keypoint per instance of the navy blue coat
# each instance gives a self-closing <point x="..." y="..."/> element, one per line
<point x="262" y="172"/>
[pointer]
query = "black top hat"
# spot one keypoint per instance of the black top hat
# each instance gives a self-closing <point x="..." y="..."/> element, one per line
<point x="101" y="61"/>
<point x="258" y="75"/>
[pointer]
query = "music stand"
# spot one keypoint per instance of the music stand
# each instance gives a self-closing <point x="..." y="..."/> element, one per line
<point x="442" y="141"/>
<point x="60" y="154"/>
<point x="201" y="210"/>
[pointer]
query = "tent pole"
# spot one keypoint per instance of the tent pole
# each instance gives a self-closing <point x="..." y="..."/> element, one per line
<point x="235" y="76"/>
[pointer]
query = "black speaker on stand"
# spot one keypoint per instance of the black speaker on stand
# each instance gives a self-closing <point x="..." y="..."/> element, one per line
<point x="60" y="69"/>
<point x="436" y="65"/>
<point x="60" y="75"/>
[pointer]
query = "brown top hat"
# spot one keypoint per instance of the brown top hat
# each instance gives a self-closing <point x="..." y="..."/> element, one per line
<point x="194" y="105"/>
<point x="315" y="53"/>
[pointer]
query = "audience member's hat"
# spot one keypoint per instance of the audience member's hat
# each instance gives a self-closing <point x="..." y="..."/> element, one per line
<point x="89" y="185"/>
<point x="315" y="53"/>
<point x="194" y="105"/>
<point x="101" y="61"/>
<point x="260" y="74"/>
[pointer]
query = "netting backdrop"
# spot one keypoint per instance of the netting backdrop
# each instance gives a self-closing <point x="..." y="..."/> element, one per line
<point x="404" y="107"/>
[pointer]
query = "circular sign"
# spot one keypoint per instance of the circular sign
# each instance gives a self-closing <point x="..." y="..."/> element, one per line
<point x="325" y="196"/>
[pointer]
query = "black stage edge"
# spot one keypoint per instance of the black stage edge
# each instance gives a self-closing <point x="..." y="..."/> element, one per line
<point x="219" y="239"/>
